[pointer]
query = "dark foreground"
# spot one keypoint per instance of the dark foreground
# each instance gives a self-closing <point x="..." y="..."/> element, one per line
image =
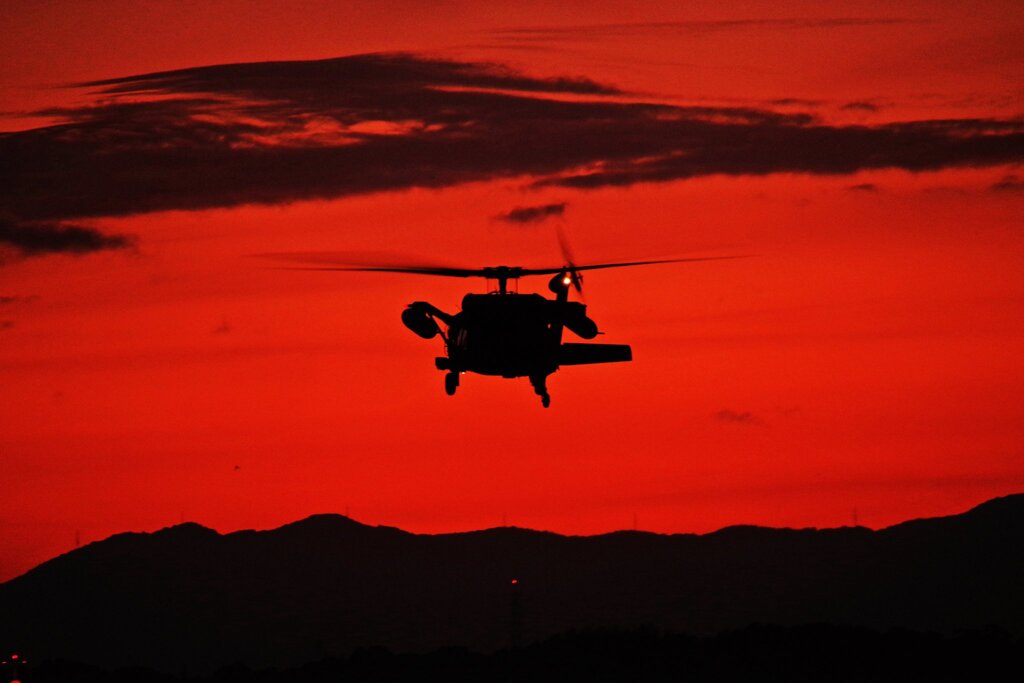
<point x="329" y="586"/>
<point x="756" y="653"/>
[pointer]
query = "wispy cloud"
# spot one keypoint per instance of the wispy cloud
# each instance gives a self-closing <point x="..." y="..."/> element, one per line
<point x="737" y="417"/>
<point x="31" y="238"/>
<point x="863" y="187"/>
<point x="223" y="328"/>
<point x="761" y="149"/>
<point x="1009" y="183"/>
<point x="795" y="102"/>
<point x="860" y="105"/>
<point x="700" y="27"/>
<point x="532" y="214"/>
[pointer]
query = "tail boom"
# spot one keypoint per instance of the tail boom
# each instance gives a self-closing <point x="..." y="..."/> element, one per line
<point x="586" y="354"/>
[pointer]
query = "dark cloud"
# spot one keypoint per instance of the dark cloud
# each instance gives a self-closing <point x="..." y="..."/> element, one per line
<point x="10" y="300"/>
<point x="863" y="187"/>
<point x="33" y="238"/>
<point x="278" y="132"/>
<point x="760" y="149"/>
<point x="860" y="106"/>
<point x="222" y="328"/>
<point x="734" y="417"/>
<point x="532" y="214"/>
<point x="346" y="80"/>
<point x="1009" y="183"/>
<point x="795" y="102"/>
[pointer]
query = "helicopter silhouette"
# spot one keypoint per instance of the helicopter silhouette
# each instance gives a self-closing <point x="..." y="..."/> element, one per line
<point x="507" y="334"/>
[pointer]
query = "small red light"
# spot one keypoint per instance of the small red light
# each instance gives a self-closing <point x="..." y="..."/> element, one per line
<point x="515" y="581"/>
<point x="14" y="656"/>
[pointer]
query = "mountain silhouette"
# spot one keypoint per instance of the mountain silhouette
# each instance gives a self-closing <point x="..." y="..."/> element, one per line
<point x="187" y="596"/>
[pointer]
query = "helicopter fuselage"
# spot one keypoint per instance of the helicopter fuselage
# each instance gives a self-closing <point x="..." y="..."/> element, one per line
<point x="507" y="334"/>
<point x="510" y="335"/>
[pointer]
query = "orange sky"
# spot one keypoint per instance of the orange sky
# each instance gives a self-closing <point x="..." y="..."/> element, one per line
<point x="864" y="361"/>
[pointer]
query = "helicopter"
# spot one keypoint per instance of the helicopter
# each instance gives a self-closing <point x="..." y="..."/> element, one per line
<point x="507" y="334"/>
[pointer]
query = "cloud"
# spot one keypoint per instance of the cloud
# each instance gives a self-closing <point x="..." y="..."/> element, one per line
<point x="222" y="328"/>
<point x="1009" y="183"/>
<point x="860" y="106"/>
<point x="532" y="214"/>
<point x="734" y="417"/>
<point x="32" y="238"/>
<point x="365" y="74"/>
<point x="11" y="300"/>
<point x="795" y="102"/>
<point x="698" y="27"/>
<point x="761" y="149"/>
<point x="279" y="132"/>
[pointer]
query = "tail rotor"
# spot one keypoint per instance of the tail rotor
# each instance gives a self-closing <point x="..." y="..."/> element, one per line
<point x="575" y="278"/>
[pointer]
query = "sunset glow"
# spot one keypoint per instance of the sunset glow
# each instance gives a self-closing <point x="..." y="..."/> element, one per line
<point x="861" y="363"/>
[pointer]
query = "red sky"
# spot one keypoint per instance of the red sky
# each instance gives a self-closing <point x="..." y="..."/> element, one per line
<point x="864" y="361"/>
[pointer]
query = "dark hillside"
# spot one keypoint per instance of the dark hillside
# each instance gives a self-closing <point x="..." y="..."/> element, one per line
<point x="327" y="585"/>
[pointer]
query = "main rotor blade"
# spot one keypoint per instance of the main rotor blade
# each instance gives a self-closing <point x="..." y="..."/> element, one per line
<point x="367" y="261"/>
<point x="416" y="270"/>
<point x="624" y="264"/>
<point x="329" y="261"/>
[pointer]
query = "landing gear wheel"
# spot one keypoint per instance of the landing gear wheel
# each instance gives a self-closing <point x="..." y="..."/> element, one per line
<point x="451" y="383"/>
<point x="540" y="388"/>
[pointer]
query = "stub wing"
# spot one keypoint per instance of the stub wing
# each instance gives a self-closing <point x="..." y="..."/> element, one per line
<point x="585" y="354"/>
